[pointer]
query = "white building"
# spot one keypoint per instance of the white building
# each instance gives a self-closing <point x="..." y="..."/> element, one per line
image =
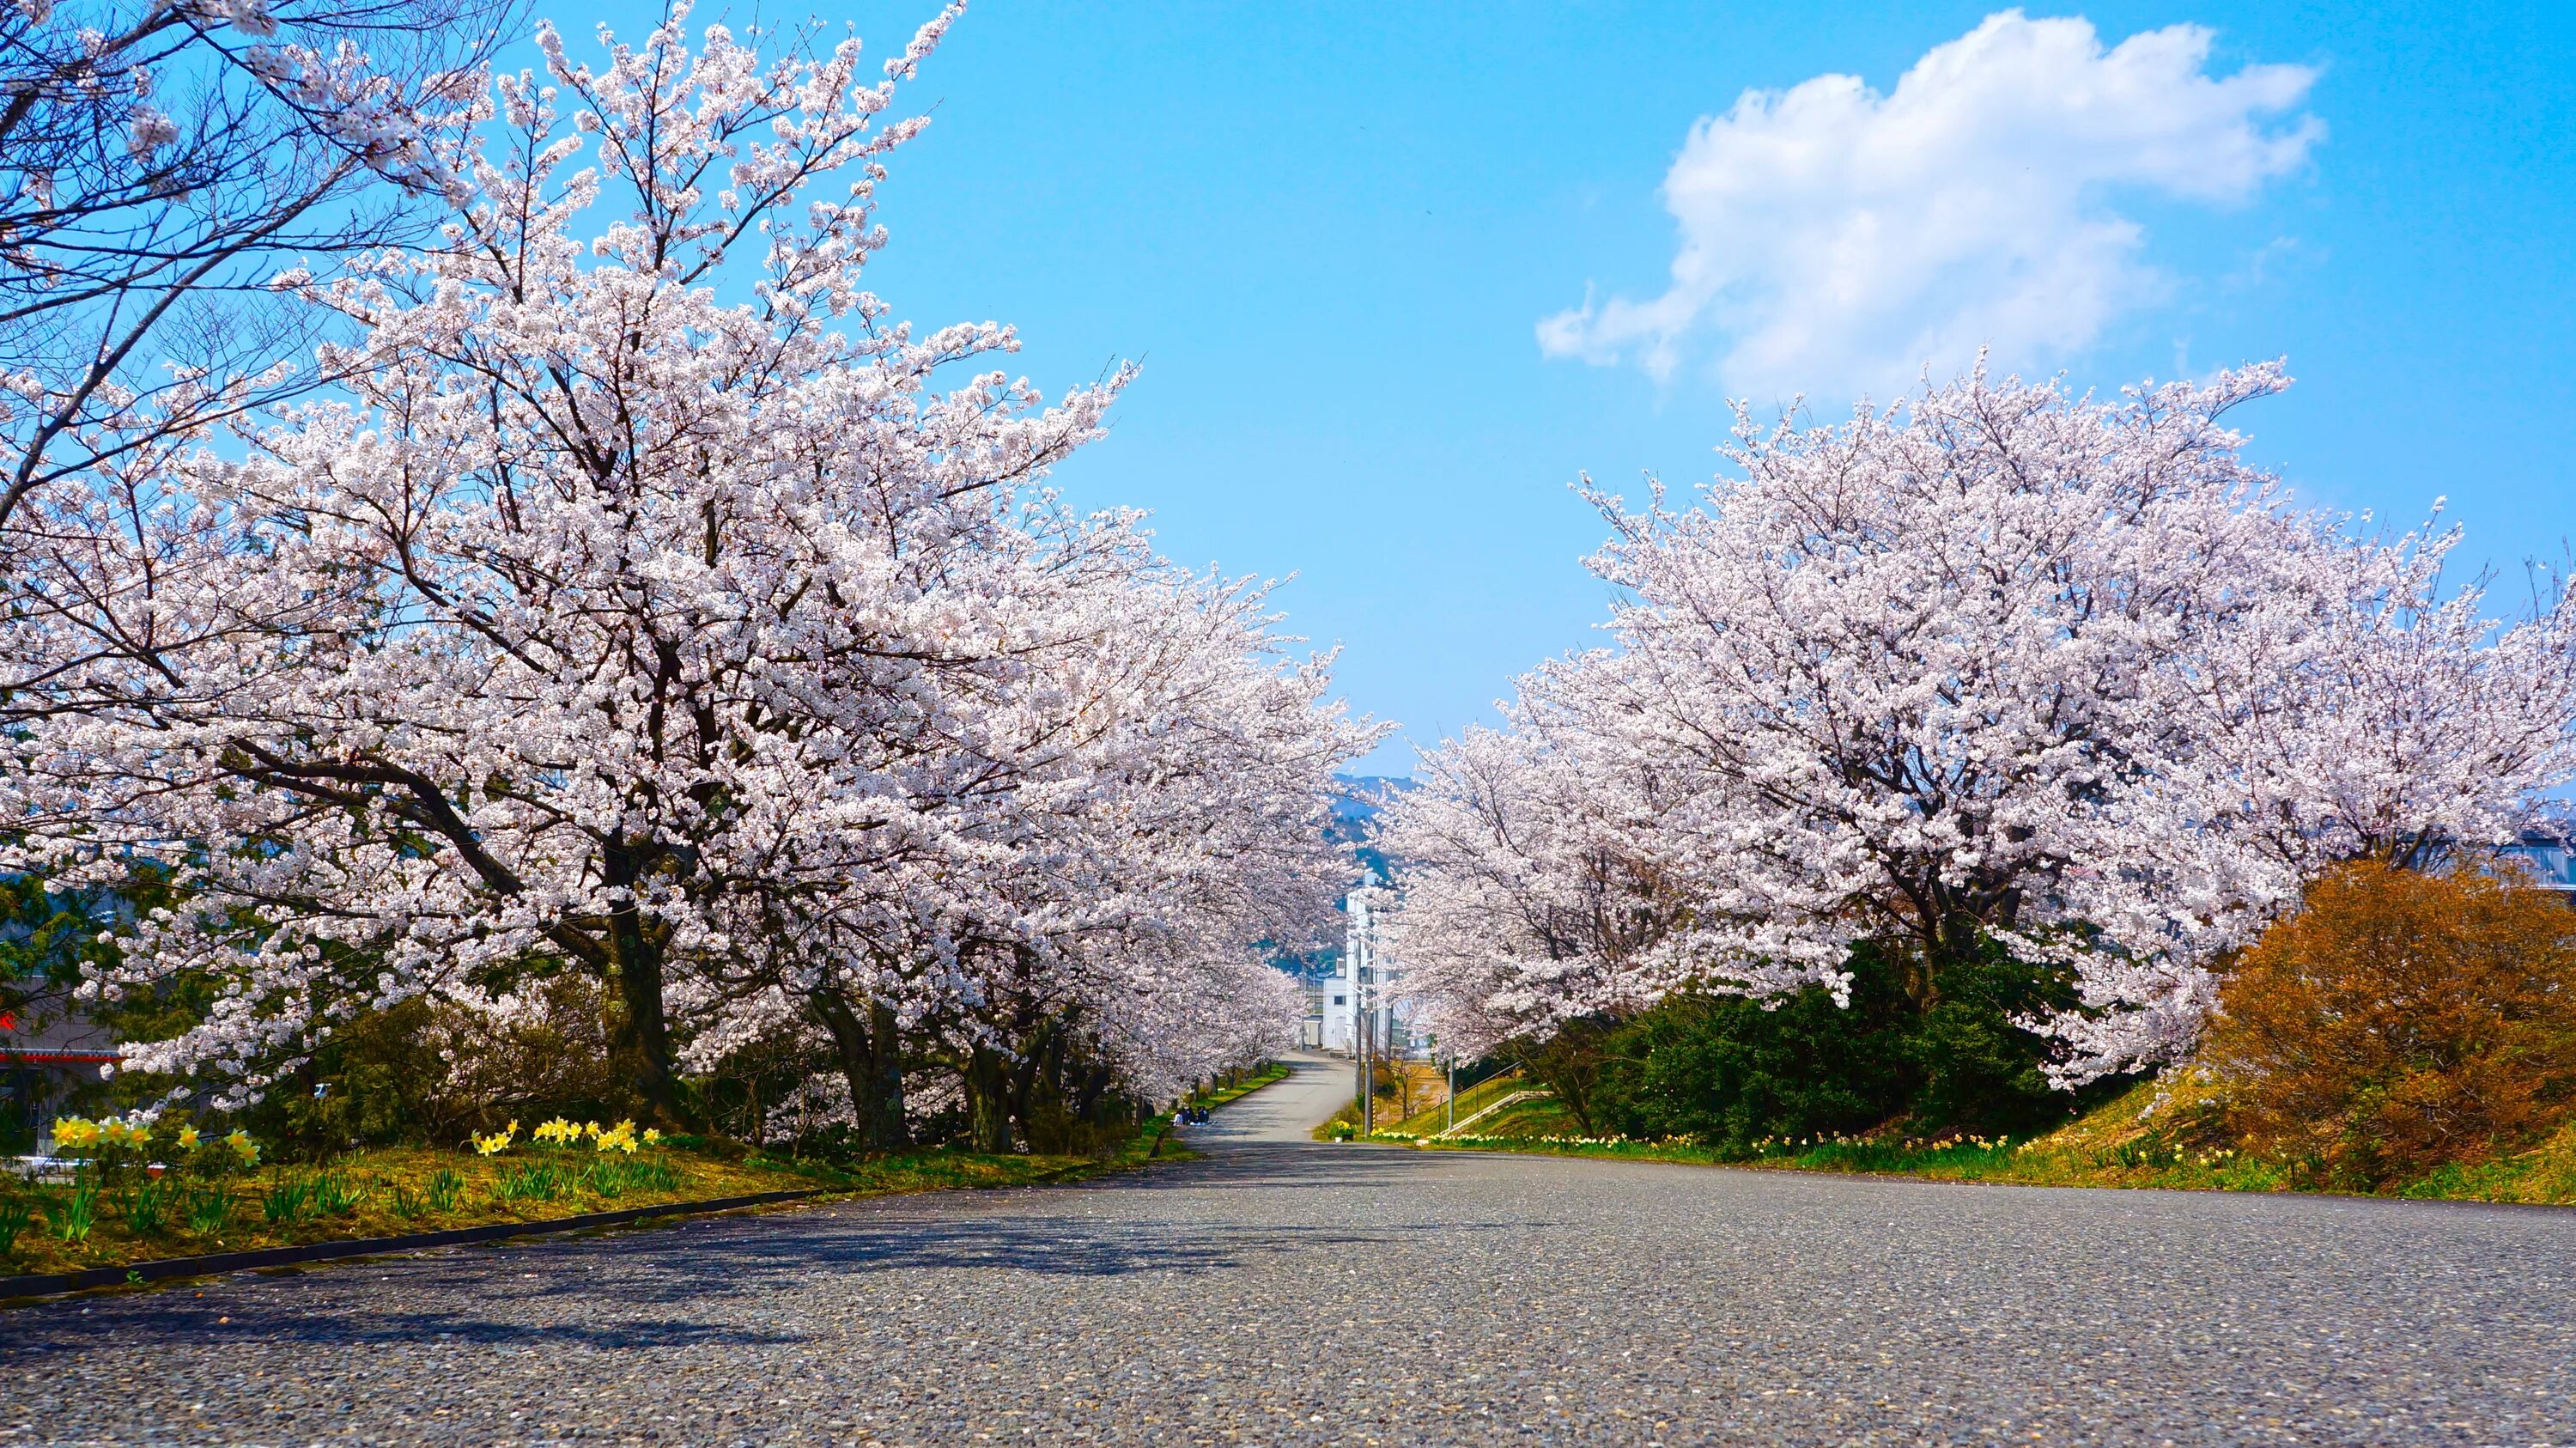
<point x="1354" y="990"/>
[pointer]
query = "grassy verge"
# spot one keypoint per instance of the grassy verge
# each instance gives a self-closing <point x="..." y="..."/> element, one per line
<point x="1475" y="1098"/>
<point x="1276" y="1071"/>
<point x="2139" y="1140"/>
<point x="394" y="1191"/>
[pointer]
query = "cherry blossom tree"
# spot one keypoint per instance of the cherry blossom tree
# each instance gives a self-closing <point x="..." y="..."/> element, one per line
<point x="649" y="608"/>
<point x="1164" y="823"/>
<point x="1999" y="669"/>
<point x="2362" y="712"/>
<point x="1527" y="902"/>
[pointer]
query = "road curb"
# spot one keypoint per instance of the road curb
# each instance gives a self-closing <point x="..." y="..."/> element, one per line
<point x="52" y="1284"/>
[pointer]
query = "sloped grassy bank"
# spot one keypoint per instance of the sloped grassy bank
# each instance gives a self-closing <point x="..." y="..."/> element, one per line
<point x="1510" y="1117"/>
<point x="398" y="1191"/>
<point x="2151" y="1137"/>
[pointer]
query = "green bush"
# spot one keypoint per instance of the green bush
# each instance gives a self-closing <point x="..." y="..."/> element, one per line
<point x="540" y="1181"/>
<point x="1731" y="1072"/>
<point x="147" y="1207"/>
<point x="335" y="1195"/>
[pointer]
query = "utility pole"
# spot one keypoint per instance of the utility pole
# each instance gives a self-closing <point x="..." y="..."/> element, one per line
<point x="1449" y="1107"/>
<point x="1368" y="1040"/>
<point x="1364" y="996"/>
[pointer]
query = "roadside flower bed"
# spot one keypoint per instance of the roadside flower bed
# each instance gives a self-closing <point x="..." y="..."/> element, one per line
<point x="131" y="1190"/>
<point x="123" y="1190"/>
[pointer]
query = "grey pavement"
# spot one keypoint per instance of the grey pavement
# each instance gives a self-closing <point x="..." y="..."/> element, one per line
<point x="1283" y="1113"/>
<point x="1286" y="1292"/>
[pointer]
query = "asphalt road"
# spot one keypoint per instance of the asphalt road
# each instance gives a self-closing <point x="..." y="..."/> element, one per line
<point x="1283" y="1292"/>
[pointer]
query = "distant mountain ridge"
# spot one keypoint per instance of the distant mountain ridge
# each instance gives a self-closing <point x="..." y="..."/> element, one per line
<point x="1357" y="802"/>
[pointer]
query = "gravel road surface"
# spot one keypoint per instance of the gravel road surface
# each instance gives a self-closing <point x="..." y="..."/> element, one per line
<point x="1284" y="1292"/>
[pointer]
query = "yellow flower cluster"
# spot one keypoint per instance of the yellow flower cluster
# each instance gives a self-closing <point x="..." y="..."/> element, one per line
<point x="621" y="1137"/>
<point x="560" y="1132"/>
<point x="81" y="1135"/>
<point x="76" y="1133"/>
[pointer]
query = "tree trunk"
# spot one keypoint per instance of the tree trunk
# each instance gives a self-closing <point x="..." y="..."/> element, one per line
<point x="871" y="1055"/>
<point x="988" y="1096"/>
<point x="643" y="1036"/>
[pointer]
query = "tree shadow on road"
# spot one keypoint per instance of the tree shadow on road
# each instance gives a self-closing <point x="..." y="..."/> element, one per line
<point x="340" y="1320"/>
<point x="677" y="1286"/>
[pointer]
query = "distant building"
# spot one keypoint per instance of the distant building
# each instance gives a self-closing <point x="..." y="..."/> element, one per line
<point x="1341" y="994"/>
<point x="51" y="1054"/>
<point x="45" y="1066"/>
<point x="1353" y="990"/>
<point x="2550" y="857"/>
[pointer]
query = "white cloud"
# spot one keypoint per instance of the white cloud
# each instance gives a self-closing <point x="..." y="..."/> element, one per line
<point x="1836" y="240"/>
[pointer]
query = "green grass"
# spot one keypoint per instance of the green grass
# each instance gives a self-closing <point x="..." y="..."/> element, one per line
<point x="1542" y="1116"/>
<point x="2157" y="1135"/>
<point x="1470" y="1101"/>
<point x="1277" y="1071"/>
<point x="1344" y="1124"/>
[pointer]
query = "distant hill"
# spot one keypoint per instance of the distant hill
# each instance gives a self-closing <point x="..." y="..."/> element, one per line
<point x="1357" y="802"/>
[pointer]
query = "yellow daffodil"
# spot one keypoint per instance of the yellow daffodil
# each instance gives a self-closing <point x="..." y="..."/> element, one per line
<point x="187" y="1138"/>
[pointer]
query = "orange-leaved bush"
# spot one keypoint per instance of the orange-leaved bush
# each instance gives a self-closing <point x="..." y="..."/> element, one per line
<point x="2401" y="1021"/>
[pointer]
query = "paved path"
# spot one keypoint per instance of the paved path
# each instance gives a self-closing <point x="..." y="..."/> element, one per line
<point x="1292" y="1293"/>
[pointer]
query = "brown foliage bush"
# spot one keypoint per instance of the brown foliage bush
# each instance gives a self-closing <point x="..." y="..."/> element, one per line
<point x="2402" y="1021"/>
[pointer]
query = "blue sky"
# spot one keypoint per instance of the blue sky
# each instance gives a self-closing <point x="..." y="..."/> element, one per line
<point x="1330" y="234"/>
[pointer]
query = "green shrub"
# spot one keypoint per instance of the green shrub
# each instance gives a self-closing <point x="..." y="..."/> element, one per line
<point x="1970" y="1069"/>
<point x="1731" y="1072"/>
<point x="147" y="1207"/>
<point x="536" y="1181"/>
<point x="335" y="1195"/>
<point x="288" y="1199"/>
